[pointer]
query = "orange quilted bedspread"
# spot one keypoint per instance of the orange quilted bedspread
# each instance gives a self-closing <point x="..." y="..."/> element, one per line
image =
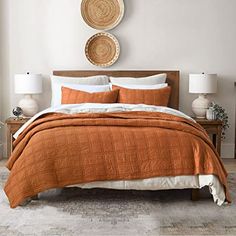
<point x="58" y="150"/>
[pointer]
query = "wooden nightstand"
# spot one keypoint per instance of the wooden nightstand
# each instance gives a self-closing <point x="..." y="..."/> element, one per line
<point x="13" y="124"/>
<point x="214" y="128"/>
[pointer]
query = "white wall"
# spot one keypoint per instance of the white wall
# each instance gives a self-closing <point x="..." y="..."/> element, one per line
<point x="4" y="64"/>
<point x="1" y="58"/>
<point x="186" y="35"/>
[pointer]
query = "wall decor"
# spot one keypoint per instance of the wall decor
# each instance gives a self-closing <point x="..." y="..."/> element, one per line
<point x="102" y="49"/>
<point x="102" y="14"/>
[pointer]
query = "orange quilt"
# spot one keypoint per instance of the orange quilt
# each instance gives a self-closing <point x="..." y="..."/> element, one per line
<point x="58" y="150"/>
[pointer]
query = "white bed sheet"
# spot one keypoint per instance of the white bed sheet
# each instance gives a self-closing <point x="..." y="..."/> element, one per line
<point x="100" y="108"/>
<point x="158" y="183"/>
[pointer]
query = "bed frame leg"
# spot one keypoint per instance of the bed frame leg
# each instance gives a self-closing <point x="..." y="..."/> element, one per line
<point x="195" y="194"/>
<point x="25" y="202"/>
<point x="35" y="197"/>
<point x="28" y="200"/>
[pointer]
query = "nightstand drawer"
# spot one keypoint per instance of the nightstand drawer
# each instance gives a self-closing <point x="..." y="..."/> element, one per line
<point x="14" y="128"/>
<point x="210" y="129"/>
<point x="13" y="124"/>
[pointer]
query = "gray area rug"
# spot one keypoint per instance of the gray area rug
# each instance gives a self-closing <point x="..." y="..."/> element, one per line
<point x="73" y="211"/>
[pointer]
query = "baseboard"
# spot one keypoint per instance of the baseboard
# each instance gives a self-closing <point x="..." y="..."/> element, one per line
<point x="227" y="150"/>
<point x="1" y="151"/>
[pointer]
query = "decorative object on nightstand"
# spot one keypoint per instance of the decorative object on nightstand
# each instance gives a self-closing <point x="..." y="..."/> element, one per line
<point x="220" y="114"/>
<point x="210" y="114"/>
<point x="12" y="126"/>
<point x="214" y="128"/>
<point x="202" y="84"/>
<point x="28" y="84"/>
<point x="17" y="111"/>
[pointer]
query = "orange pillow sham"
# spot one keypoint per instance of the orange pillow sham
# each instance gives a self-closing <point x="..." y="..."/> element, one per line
<point x="157" y="97"/>
<point x="72" y="96"/>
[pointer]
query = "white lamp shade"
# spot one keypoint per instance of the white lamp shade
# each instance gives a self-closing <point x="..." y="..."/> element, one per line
<point x="28" y="84"/>
<point x="202" y="83"/>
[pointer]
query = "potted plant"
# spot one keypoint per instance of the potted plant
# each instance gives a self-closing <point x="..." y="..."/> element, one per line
<point x="220" y="114"/>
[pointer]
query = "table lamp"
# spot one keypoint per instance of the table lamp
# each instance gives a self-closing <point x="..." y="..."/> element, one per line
<point x="202" y="84"/>
<point x="28" y="84"/>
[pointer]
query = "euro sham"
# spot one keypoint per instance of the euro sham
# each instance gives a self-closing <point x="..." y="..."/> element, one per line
<point x="137" y="86"/>
<point x="58" y="81"/>
<point x="149" y="80"/>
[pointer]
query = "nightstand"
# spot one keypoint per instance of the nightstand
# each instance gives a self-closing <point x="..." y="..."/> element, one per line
<point x="214" y="129"/>
<point x="13" y="124"/>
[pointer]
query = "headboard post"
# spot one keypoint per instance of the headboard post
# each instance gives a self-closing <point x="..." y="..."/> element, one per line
<point x="172" y="78"/>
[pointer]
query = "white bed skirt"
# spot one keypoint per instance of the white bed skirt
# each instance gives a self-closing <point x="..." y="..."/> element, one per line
<point x="164" y="183"/>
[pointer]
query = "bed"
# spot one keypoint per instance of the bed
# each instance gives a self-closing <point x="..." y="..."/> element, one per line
<point x="116" y="145"/>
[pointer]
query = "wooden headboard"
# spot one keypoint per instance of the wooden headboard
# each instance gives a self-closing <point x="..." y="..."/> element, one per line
<point x="172" y="79"/>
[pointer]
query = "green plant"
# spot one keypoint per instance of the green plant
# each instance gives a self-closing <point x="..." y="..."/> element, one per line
<point x="221" y="114"/>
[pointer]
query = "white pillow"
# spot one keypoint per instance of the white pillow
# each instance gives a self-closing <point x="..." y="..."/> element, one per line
<point x="56" y="99"/>
<point x="150" y="80"/>
<point x="143" y="87"/>
<point x="92" y="80"/>
<point x="58" y="81"/>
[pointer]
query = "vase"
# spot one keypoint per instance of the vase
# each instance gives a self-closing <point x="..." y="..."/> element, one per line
<point x="210" y="114"/>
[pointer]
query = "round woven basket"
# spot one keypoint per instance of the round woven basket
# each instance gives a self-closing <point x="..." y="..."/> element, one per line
<point x="102" y="49"/>
<point x="102" y="14"/>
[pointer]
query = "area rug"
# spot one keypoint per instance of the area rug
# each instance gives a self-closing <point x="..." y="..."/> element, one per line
<point x="75" y="212"/>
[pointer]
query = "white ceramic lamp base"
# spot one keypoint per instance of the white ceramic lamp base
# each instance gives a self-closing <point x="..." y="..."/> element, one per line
<point x="29" y="106"/>
<point x="200" y="106"/>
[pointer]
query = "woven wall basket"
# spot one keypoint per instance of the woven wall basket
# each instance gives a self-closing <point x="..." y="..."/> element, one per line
<point x="102" y="49"/>
<point x="102" y="14"/>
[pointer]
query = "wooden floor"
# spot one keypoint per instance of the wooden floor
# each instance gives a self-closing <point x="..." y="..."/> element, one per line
<point x="230" y="164"/>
